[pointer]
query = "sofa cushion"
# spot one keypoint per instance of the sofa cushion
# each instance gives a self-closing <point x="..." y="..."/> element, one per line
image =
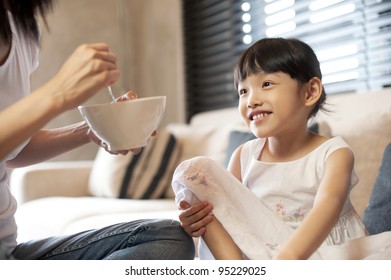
<point x="237" y="138"/>
<point x="69" y="215"/>
<point x="146" y="175"/>
<point x="377" y="217"/>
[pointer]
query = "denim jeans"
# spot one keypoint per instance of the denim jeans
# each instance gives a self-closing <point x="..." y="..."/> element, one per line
<point x="136" y="240"/>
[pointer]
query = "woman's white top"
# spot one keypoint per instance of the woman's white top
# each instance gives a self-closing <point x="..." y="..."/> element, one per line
<point x="15" y="84"/>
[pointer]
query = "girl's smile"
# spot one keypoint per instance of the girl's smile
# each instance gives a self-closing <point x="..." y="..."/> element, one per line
<point x="258" y="116"/>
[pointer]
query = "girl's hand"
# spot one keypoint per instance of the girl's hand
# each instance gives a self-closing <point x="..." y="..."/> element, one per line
<point x="130" y="95"/>
<point x="90" y="68"/>
<point x="195" y="218"/>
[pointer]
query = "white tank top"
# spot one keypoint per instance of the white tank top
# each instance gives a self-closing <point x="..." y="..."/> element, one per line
<point x="288" y="189"/>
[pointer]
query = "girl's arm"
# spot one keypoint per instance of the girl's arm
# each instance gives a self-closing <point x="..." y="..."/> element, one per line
<point x="197" y="221"/>
<point x="327" y="207"/>
<point x="220" y="243"/>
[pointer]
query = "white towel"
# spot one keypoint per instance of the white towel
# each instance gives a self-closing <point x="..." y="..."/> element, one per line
<point x="253" y="227"/>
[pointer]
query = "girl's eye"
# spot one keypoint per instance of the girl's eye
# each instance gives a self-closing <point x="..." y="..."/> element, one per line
<point x="242" y="91"/>
<point x="266" y="84"/>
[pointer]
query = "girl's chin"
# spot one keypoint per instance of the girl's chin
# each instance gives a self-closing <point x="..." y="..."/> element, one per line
<point x="258" y="134"/>
<point x="257" y="130"/>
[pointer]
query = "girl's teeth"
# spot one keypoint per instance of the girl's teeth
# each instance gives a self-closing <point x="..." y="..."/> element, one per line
<point x="255" y="117"/>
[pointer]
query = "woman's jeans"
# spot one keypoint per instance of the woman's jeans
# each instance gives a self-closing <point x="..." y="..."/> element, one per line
<point x="136" y="240"/>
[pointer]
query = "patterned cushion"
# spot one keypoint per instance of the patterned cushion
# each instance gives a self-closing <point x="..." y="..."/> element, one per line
<point x="146" y="175"/>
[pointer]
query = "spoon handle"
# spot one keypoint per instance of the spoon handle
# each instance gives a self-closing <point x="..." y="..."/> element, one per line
<point x="111" y="93"/>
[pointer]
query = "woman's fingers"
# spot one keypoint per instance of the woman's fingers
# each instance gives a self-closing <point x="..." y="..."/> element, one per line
<point x="99" y="46"/>
<point x="130" y="95"/>
<point x="90" y="68"/>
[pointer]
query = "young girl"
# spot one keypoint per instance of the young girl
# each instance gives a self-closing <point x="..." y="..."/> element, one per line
<point x="287" y="192"/>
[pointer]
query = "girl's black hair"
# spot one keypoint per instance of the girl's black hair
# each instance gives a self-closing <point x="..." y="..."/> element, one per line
<point x="25" y="14"/>
<point x="291" y="56"/>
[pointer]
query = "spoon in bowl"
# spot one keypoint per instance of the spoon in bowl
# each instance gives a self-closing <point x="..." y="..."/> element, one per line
<point x="111" y="93"/>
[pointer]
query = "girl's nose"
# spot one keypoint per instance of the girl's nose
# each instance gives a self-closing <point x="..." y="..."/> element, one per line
<point x="254" y="100"/>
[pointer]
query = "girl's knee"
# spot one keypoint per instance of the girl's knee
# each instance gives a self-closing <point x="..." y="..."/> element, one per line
<point x="202" y="162"/>
<point x="193" y="180"/>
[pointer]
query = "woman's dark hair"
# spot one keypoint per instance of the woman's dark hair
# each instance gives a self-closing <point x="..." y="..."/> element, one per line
<point x="290" y="56"/>
<point x="25" y="14"/>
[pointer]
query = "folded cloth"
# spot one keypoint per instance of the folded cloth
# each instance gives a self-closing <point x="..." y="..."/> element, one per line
<point x="253" y="227"/>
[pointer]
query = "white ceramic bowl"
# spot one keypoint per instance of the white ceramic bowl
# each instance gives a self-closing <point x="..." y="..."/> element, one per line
<point x="125" y="125"/>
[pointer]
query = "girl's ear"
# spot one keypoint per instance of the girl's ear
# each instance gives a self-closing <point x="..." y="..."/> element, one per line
<point x="313" y="92"/>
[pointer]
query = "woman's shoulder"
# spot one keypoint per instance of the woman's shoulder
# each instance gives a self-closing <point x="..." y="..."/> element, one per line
<point x="26" y="47"/>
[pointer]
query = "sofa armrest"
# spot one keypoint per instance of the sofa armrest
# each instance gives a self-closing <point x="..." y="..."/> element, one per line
<point x="66" y="178"/>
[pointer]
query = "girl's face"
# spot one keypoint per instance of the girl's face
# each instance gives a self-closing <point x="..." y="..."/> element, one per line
<point x="272" y="104"/>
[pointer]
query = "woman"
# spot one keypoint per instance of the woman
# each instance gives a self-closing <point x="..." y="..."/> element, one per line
<point x="23" y="142"/>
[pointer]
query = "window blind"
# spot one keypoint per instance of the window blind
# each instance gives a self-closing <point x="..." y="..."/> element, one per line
<point x="352" y="39"/>
<point x="212" y="41"/>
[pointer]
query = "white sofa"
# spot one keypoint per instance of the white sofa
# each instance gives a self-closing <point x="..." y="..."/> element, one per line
<point x="57" y="197"/>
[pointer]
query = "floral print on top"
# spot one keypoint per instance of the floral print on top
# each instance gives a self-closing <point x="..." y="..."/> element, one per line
<point x="280" y="211"/>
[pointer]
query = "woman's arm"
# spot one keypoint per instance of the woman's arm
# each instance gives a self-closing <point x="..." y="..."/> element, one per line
<point x="24" y="118"/>
<point x="327" y="207"/>
<point x="49" y="143"/>
<point x="88" y="69"/>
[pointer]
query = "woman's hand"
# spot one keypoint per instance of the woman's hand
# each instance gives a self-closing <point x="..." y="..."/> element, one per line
<point x="90" y="68"/>
<point x="130" y="95"/>
<point x="194" y="218"/>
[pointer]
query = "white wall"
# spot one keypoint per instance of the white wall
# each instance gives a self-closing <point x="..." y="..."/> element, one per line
<point x="145" y="34"/>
